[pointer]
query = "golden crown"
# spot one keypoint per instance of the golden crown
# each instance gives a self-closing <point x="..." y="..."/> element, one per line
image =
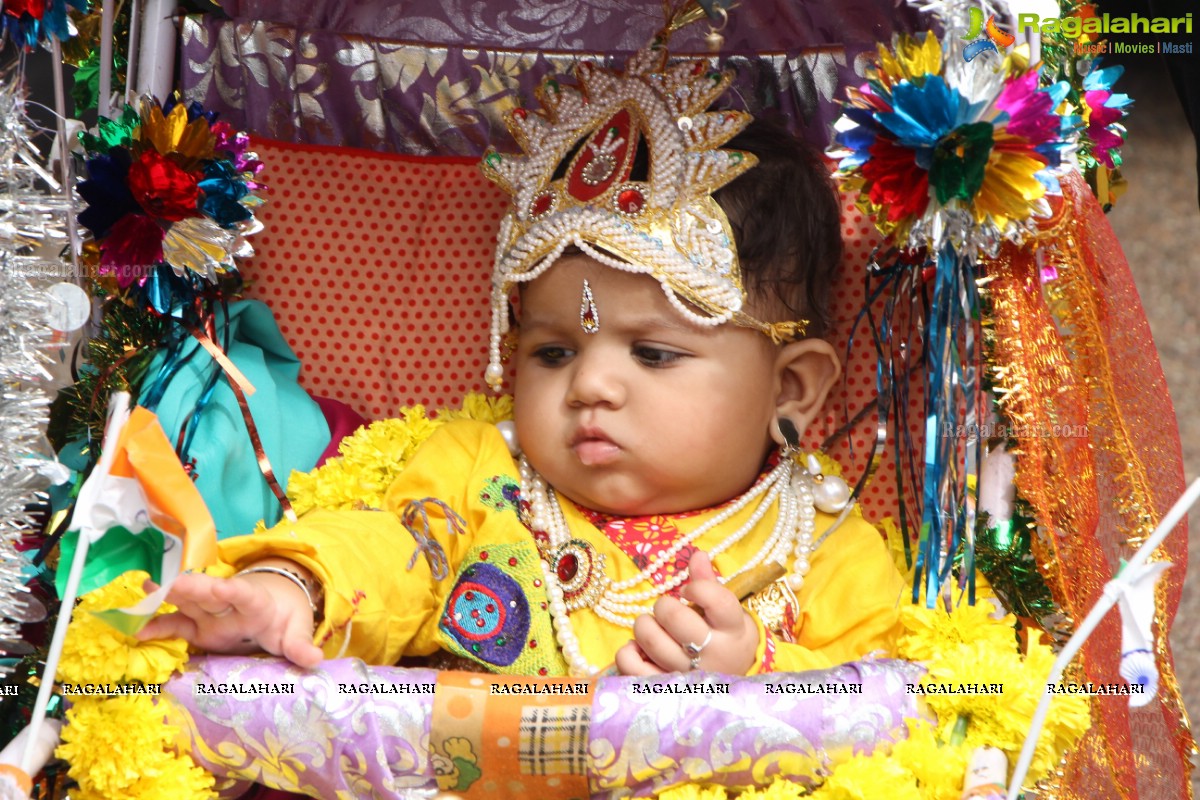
<point x="664" y="223"/>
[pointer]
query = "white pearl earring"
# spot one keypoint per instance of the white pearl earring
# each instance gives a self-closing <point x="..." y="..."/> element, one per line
<point x="830" y="493"/>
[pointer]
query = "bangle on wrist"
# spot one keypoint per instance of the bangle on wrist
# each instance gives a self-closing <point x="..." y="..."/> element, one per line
<point x="294" y="578"/>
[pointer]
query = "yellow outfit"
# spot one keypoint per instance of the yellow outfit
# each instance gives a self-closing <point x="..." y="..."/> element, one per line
<point x="383" y="602"/>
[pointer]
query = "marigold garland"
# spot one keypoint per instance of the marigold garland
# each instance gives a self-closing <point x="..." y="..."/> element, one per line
<point x="372" y="457"/>
<point x="122" y="747"/>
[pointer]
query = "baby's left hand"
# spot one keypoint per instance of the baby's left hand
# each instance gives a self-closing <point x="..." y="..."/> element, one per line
<point x="660" y="641"/>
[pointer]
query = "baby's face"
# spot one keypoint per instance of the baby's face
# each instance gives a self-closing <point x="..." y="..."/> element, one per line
<point x="651" y="413"/>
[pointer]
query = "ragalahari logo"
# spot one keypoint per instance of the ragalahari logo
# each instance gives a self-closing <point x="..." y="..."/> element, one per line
<point x="993" y="40"/>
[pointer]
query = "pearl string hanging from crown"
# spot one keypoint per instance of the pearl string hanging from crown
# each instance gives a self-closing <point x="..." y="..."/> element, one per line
<point x="788" y="485"/>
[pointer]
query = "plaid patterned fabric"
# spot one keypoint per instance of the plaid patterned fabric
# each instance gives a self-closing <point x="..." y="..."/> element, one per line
<point x="554" y="740"/>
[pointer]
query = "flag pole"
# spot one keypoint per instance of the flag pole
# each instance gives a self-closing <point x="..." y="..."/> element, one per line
<point x="118" y="413"/>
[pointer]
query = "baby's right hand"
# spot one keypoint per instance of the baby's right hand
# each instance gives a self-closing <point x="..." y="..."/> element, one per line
<point x="259" y="612"/>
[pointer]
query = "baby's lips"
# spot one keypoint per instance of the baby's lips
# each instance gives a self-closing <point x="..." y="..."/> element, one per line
<point x="596" y="452"/>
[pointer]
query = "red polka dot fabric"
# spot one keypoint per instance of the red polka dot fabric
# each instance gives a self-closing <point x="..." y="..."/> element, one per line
<point x="857" y="388"/>
<point x="377" y="268"/>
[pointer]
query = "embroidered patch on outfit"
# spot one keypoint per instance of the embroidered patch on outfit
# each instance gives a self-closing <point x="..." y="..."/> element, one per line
<point x="497" y="612"/>
<point x="554" y="740"/>
<point x="501" y="493"/>
<point x="487" y="614"/>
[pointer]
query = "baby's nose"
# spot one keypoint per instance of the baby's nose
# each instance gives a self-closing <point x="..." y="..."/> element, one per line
<point x="596" y="380"/>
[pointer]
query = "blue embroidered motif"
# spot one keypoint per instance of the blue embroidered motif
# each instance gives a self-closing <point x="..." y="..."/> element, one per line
<point x="487" y="615"/>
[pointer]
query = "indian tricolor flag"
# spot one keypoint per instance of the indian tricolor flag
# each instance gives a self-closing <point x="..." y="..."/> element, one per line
<point x="137" y="510"/>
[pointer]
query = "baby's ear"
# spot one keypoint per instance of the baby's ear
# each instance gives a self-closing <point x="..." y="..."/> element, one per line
<point x="805" y="373"/>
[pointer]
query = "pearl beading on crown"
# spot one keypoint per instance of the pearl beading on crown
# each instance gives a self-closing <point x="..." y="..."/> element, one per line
<point x="666" y="225"/>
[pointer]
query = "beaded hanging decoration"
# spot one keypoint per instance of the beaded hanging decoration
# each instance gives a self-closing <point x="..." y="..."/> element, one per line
<point x="664" y="223"/>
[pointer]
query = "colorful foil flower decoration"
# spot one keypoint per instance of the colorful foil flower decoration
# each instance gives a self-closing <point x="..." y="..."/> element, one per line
<point x="951" y="156"/>
<point x="169" y="185"/>
<point x="948" y="151"/>
<point x="31" y="22"/>
<point x="1102" y="113"/>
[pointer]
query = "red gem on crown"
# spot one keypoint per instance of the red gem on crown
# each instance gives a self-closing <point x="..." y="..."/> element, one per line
<point x="631" y="201"/>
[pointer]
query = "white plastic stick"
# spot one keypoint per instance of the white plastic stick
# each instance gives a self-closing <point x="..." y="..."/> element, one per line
<point x="131" y="62"/>
<point x="156" y="59"/>
<point x="118" y="413"/>
<point x="106" y="57"/>
<point x="1085" y="629"/>
<point x="64" y="160"/>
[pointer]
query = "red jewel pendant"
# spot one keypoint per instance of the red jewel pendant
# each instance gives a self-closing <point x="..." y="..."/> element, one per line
<point x="579" y="571"/>
<point x="568" y="567"/>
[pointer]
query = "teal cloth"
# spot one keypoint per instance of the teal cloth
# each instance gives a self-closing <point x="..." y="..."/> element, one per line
<point x="293" y="429"/>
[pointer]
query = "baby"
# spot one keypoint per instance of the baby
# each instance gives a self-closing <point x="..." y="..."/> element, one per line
<point x="647" y="509"/>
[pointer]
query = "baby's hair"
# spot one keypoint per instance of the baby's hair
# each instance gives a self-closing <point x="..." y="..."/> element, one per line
<point x="786" y="223"/>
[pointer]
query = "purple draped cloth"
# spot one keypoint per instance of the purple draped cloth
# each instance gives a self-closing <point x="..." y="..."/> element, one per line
<point x="349" y="730"/>
<point x="610" y="26"/>
<point x="437" y="78"/>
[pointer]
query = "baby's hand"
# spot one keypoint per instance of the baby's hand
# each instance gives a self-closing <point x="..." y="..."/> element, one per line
<point x="245" y="614"/>
<point x="661" y="641"/>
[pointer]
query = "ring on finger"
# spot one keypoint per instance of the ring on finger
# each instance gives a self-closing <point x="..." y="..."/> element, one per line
<point x="693" y="650"/>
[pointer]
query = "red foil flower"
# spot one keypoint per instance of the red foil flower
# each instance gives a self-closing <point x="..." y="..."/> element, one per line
<point x="162" y="188"/>
<point x="34" y="8"/>
<point x="896" y="182"/>
<point x="133" y="247"/>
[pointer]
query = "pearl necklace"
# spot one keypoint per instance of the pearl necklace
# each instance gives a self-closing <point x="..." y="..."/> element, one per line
<point x="792" y="535"/>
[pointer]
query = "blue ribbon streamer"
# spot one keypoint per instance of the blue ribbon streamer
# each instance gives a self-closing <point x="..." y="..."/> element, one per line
<point x="952" y="359"/>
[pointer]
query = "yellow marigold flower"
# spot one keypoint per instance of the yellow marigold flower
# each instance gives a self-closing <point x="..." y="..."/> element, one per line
<point x="692" y="791"/>
<point x="687" y="792"/>
<point x="778" y="790"/>
<point x="178" y="779"/>
<point x="482" y="407"/>
<point x="869" y="778"/>
<point x="1000" y="721"/>
<point x="895" y="542"/>
<point x="369" y="460"/>
<point x="938" y="768"/>
<point x="929" y="631"/>
<point x="1069" y="717"/>
<point x="95" y="652"/>
<point x="112" y="742"/>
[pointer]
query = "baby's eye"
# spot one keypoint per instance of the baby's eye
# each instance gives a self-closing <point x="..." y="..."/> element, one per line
<point x="655" y="356"/>
<point x="552" y="355"/>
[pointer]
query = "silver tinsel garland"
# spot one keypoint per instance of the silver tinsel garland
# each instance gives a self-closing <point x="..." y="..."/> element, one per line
<point x="29" y="219"/>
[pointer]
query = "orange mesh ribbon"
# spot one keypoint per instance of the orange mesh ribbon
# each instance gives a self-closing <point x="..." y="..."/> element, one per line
<point x="1076" y="355"/>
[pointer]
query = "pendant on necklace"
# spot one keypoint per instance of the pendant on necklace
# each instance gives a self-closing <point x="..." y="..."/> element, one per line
<point x="580" y="572"/>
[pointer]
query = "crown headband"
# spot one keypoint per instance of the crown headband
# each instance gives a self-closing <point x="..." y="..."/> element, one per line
<point x="664" y="224"/>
